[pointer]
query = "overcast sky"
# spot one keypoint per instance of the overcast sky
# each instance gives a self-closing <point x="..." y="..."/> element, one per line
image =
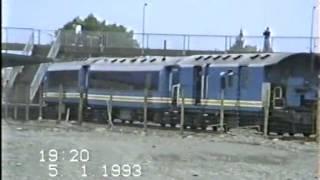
<point x="285" y="17"/>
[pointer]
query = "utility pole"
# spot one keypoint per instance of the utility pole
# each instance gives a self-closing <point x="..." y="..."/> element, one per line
<point x="143" y="25"/>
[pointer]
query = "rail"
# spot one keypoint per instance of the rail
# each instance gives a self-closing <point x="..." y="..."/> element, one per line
<point x="27" y="50"/>
<point x="185" y="42"/>
<point x="53" y="52"/>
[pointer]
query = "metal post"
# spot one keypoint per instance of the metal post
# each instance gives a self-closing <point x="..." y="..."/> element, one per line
<point x="80" y="109"/>
<point x="15" y="113"/>
<point x="266" y="88"/>
<point x="318" y="116"/>
<point x="221" y="109"/>
<point x="164" y="48"/>
<point x="182" y="112"/>
<point x="39" y="36"/>
<point x="184" y="45"/>
<point x="188" y="43"/>
<point x="60" y="103"/>
<point x="40" y="101"/>
<point x="226" y="43"/>
<point x="27" y="103"/>
<point x="68" y="115"/>
<point x="7" y="39"/>
<point x="311" y="37"/>
<point x="312" y="28"/>
<point x="318" y="125"/>
<point x="109" y="106"/>
<point x="147" y="41"/>
<point x="145" y="102"/>
<point x="143" y="25"/>
<point x="6" y="102"/>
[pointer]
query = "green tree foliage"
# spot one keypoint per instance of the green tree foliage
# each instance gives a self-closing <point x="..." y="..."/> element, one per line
<point x="99" y="33"/>
<point x="235" y="48"/>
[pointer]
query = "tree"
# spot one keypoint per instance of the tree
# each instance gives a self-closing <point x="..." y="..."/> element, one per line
<point x="97" y="32"/>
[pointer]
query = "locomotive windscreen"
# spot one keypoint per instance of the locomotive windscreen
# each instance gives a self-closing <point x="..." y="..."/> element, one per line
<point x="122" y="81"/>
<point x="68" y="79"/>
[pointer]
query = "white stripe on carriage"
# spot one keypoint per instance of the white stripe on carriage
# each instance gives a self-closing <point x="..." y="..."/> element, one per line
<point x="166" y="100"/>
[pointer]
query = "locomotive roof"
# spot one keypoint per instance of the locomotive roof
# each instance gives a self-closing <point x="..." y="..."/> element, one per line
<point x="245" y="59"/>
<point x="66" y="66"/>
<point x="140" y="60"/>
<point x="214" y="60"/>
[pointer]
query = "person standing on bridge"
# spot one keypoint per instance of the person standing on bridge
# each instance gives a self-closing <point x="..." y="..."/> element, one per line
<point x="267" y="40"/>
<point x="78" y="38"/>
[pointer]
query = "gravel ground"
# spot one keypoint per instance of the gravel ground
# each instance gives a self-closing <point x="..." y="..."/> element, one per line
<point x="161" y="154"/>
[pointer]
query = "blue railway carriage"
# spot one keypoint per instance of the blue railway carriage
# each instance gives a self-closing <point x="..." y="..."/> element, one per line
<point x="126" y="80"/>
<point x="210" y="82"/>
<point x="237" y="81"/>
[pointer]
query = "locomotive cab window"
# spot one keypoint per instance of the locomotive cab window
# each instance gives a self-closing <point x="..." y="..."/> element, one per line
<point x="68" y="79"/>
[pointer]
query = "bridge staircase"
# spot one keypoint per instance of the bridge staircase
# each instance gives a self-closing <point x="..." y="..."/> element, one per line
<point x="16" y="77"/>
<point x="42" y="68"/>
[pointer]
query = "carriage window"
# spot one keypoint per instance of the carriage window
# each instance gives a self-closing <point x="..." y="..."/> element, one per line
<point x="125" y="81"/>
<point x="68" y="79"/>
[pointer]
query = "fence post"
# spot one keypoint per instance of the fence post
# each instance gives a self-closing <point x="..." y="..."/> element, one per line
<point x="109" y="106"/>
<point x="80" y="108"/>
<point x="318" y="117"/>
<point x="6" y="92"/>
<point x="40" y="101"/>
<point x="221" y="109"/>
<point x="182" y="112"/>
<point x="145" y="102"/>
<point x="164" y="48"/>
<point x="184" y="45"/>
<point x="15" y="113"/>
<point x="226" y="43"/>
<point x="60" y="103"/>
<point x="68" y="115"/>
<point x="39" y="36"/>
<point x="266" y="93"/>
<point x="27" y="103"/>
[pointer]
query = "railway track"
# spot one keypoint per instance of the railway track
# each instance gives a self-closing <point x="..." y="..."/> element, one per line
<point x="120" y="126"/>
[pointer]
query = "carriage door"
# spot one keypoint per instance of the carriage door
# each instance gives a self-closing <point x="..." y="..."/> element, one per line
<point x="197" y="84"/>
<point x="174" y="85"/>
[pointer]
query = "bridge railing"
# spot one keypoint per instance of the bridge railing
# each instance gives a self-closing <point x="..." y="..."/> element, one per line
<point x="98" y="39"/>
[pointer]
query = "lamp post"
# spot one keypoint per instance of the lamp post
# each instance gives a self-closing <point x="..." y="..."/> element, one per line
<point x="311" y="34"/>
<point x="143" y="25"/>
<point x="311" y="30"/>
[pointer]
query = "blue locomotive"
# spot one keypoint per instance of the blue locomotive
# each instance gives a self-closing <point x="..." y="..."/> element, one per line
<point x="207" y="82"/>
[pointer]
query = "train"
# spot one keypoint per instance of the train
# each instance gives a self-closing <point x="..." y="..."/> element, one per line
<point x="243" y="88"/>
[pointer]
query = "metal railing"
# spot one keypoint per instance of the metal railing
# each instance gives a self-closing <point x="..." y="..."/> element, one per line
<point x="184" y="42"/>
<point x="53" y="52"/>
<point x="27" y="50"/>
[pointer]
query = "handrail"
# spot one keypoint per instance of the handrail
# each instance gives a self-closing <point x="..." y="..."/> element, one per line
<point x="53" y="52"/>
<point x="27" y="50"/>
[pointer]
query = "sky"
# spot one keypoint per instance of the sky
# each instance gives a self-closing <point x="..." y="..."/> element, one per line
<point x="285" y="17"/>
<point x="219" y="17"/>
